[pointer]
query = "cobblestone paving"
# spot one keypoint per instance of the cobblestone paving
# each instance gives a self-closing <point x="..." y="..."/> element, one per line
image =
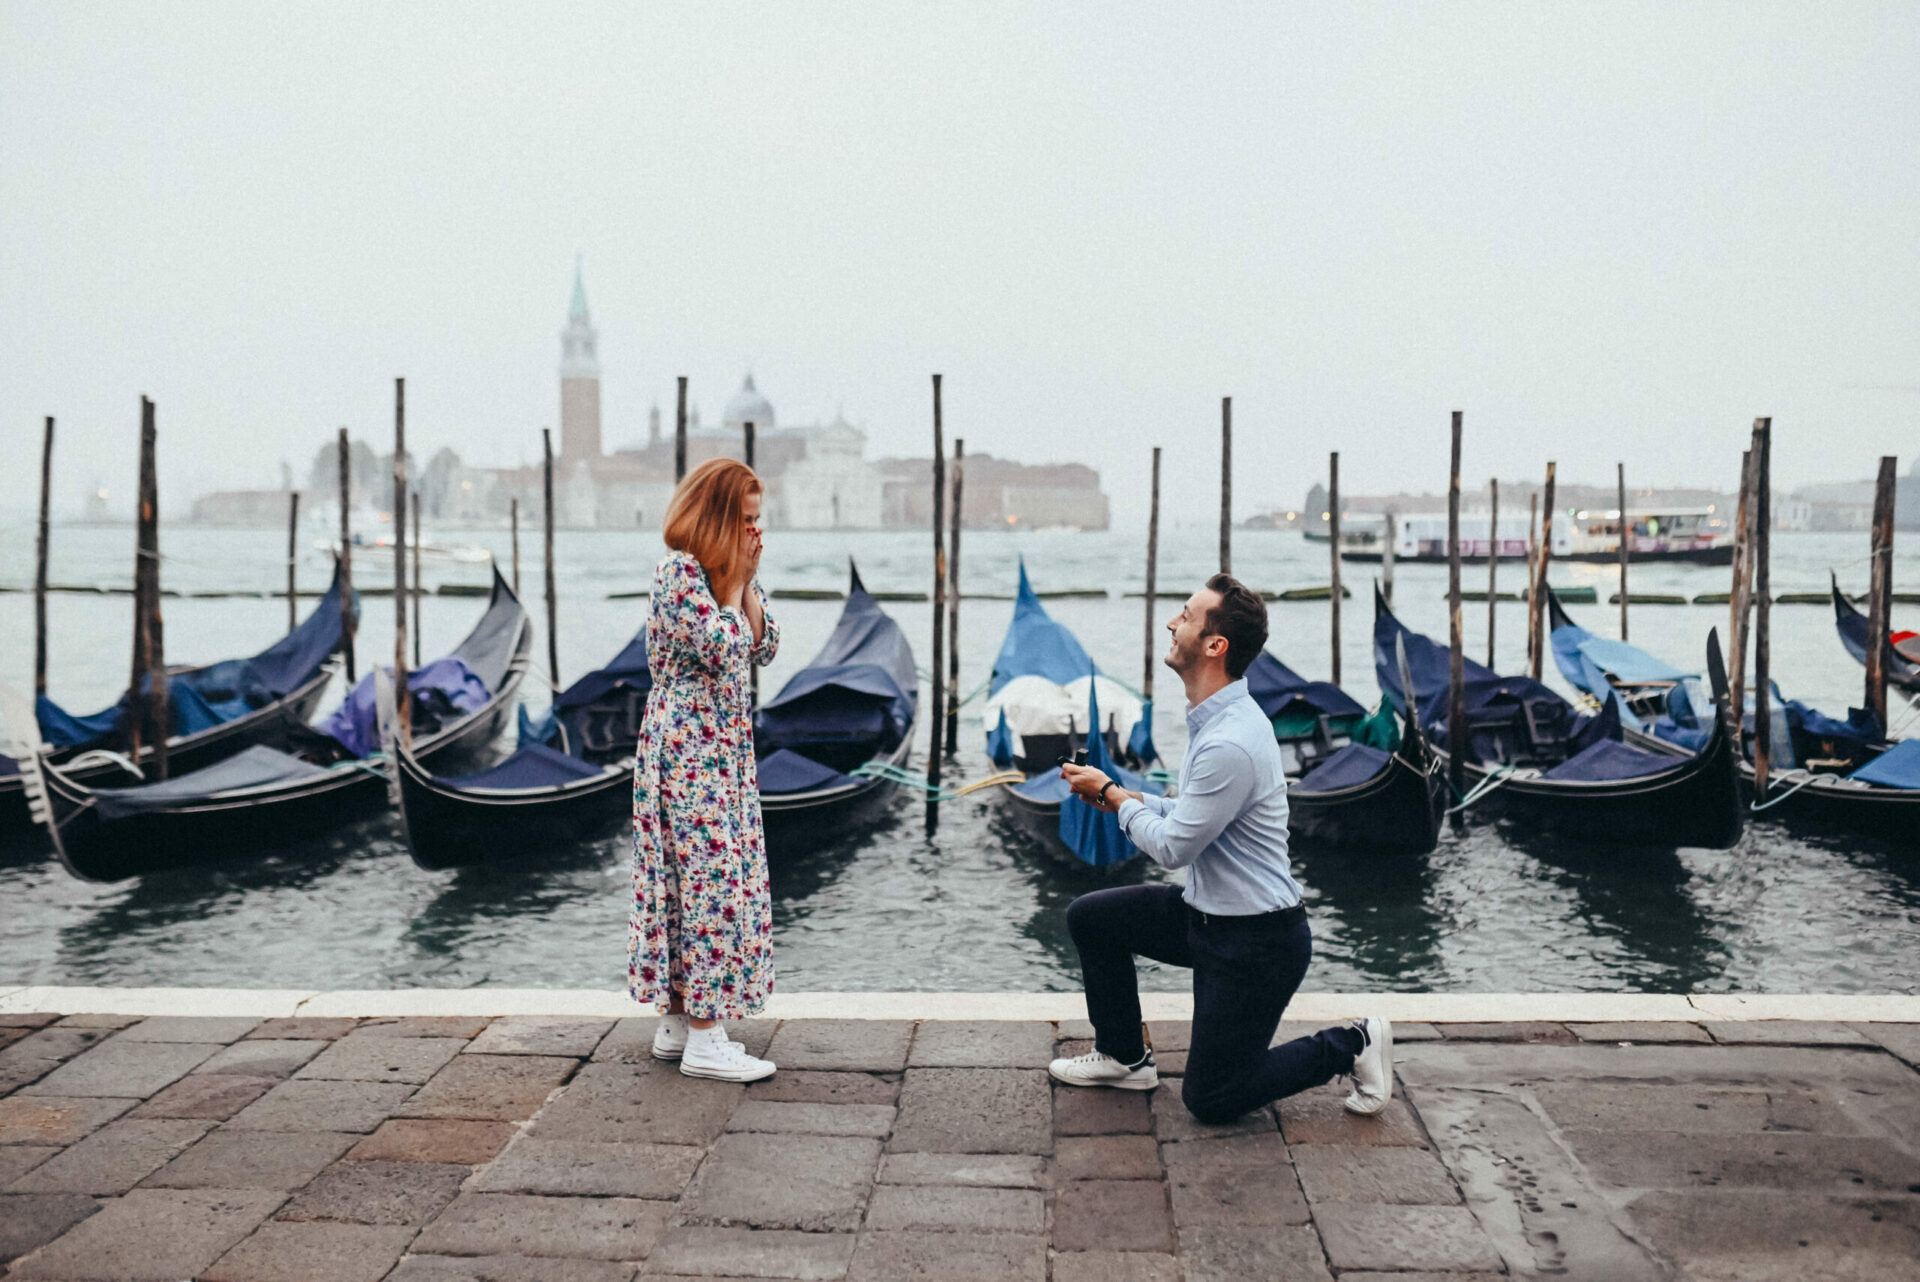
<point x="556" y="1150"/>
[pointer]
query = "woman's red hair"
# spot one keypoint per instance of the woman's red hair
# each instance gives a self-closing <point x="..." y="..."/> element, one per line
<point x="705" y="517"/>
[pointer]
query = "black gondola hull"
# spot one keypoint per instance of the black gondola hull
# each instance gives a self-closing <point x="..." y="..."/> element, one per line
<point x="1397" y="812"/>
<point x="1832" y="804"/>
<point x="449" y="827"/>
<point x="797" y="824"/>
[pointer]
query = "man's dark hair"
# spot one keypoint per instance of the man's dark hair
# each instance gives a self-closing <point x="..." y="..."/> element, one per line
<point x="1241" y="617"/>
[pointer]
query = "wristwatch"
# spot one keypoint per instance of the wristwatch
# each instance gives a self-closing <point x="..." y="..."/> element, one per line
<point x="1111" y="783"/>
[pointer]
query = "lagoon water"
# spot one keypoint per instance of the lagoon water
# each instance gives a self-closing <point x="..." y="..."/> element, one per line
<point x="974" y="905"/>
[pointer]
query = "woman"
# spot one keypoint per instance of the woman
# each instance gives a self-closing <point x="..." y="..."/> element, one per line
<point x="700" y="944"/>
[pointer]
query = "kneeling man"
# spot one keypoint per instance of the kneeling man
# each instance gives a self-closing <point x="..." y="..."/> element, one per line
<point x="1238" y="923"/>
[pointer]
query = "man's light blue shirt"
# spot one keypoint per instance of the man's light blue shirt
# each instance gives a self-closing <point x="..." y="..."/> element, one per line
<point x="1228" y="826"/>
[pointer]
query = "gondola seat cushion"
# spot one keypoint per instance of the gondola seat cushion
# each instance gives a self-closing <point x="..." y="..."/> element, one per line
<point x="1897" y="767"/>
<point x="1609" y="759"/>
<point x="255" y="767"/>
<point x="533" y="766"/>
<point x="786" y="771"/>
<point x="1354" y="764"/>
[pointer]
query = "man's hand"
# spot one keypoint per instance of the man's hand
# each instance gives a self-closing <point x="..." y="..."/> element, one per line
<point x="1087" y="784"/>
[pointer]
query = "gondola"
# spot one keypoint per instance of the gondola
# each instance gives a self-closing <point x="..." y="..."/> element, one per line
<point x="1346" y="795"/>
<point x="1045" y="700"/>
<point x="1828" y="773"/>
<point x="1551" y="769"/>
<point x="265" y="797"/>
<point x="215" y="710"/>
<point x="854" y="704"/>
<point x="1903" y="656"/>
<point x="569" y="781"/>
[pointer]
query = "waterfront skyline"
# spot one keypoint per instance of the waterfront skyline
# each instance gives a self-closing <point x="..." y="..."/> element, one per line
<point x="1351" y="222"/>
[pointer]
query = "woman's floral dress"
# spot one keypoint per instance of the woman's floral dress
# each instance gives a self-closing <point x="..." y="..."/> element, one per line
<point x="702" y="921"/>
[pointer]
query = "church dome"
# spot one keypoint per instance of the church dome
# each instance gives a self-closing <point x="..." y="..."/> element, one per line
<point x="748" y="406"/>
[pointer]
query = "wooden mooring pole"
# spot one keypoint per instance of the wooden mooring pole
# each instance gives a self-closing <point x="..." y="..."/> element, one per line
<point x="1333" y="558"/>
<point x="40" y="549"/>
<point x="680" y="434"/>
<point x="418" y="583"/>
<point x="1762" y="605"/>
<point x="553" y="615"/>
<point x="1879" y="591"/>
<point x="953" y="605"/>
<point x="349" y="625"/>
<point x="1537" y="593"/>
<point x="1739" y="604"/>
<point x="1533" y="561"/>
<point x="1226" y="485"/>
<point x="402" y="693"/>
<point x="1493" y="563"/>
<point x="939" y="670"/>
<point x="293" y="536"/>
<point x="513" y="520"/>
<point x="1457" y="744"/>
<point x="1386" y="556"/>
<point x="149" y="647"/>
<point x="1626" y="541"/>
<point x="1153" y="568"/>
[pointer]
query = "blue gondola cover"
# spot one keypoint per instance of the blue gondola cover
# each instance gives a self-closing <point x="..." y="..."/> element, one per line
<point x="1274" y="685"/>
<point x="251" y="768"/>
<point x="531" y="766"/>
<point x="1094" y="836"/>
<point x="1897" y="767"/>
<point x="1139" y="743"/>
<point x="786" y="771"/>
<point x="1037" y="646"/>
<point x="1355" y="763"/>
<point x="354" y="722"/>
<point x="1606" y="759"/>
<point x="860" y="688"/>
<point x="1000" y="743"/>
<point x="1490" y="698"/>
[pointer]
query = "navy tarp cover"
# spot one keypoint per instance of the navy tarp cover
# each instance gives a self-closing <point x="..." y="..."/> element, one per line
<point x="1607" y="759"/>
<point x="1353" y="764"/>
<point x="355" y="725"/>
<point x="1094" y="836"/>
<point x="1037" y="646"/>
<point x="1000" y="743"/>
<point x="1490" y="697"/>
<point x="1897" y="767"/>
<point x="1139" y="743"/>
<point x="488" y="650"/>
<point x="528" y="767"/>
<point x="529" y="731"/>
<point x="1274" y="685"/>
<point x="252" y="768"/>
<point x="220" y="692"/>
<point x="1860" y="729"/>
<point x="627" y="671"/>
<point x="860" y="688"/>
<point x="786" y="771"/>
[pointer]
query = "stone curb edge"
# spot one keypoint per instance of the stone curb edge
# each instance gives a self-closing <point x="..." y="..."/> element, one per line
<point x="1443" y="1008"/>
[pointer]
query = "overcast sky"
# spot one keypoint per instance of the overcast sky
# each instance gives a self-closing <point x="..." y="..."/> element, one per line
<point x="1603" y="231"/>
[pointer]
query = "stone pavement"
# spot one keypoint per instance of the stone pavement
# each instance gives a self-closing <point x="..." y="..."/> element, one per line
<point x="541" y="1149"/>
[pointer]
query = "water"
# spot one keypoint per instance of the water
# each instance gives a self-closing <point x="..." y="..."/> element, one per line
<point x="976" y="905"/>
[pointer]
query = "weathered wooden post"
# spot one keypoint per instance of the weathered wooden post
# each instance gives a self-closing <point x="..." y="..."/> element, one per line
<point x="1386" y="556"/>
<point x="1537" y="595"/>
<point x="149" y="647"/>
<point x="40" y="549"/>
<point x="1626" y="541"/>
<point x="1762" y="605"/>
<point x="680" y="435"/>
<point x="1879" y="590"/>
<point x="1333" y="545"/>
<point x="939" y="671"/>
<point x="293" y="534"/>
<point x="1493" y="563"/>
<point x="1533" y="561"/>
<point x="402" y="693"/>
<point x="553" y="639"/>
<point x="1739" y="602"/>
<point x="1153" y="568"/>
<point x="348" y="624"/>
<point x="1457" y="736"/>
<point x="513" y="520"/>
<point x="747" y="434"/>
<point x="953" y="606"/>
<point x="1226" y="485"/>
<point x="418" y="581"/>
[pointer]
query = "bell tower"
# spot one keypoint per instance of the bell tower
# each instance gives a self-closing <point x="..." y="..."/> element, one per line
<point x="579" y="380"/>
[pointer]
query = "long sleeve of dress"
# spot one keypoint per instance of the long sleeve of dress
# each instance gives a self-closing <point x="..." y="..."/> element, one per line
<point x="769" y="644"/>
<point x="686" y="615"/>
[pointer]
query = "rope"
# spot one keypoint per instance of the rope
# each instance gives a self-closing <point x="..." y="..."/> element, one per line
<point x="1759" y="806"/>
<point x="1486" y="786"/>
<point x="105" y="756"/>
<point x="906" y="778"/>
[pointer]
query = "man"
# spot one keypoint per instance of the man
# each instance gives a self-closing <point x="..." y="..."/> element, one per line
<point x="1238" y="923"/>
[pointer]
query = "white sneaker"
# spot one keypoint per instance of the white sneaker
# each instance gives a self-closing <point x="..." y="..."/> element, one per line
<point x="670" y="1038"/>
<point x="1372" y="1067"/>
<point x="1097" y="1069"/>
<point x="708" y="1053"/>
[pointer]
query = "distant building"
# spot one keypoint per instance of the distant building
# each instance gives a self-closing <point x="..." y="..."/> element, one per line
<point x="250" y="508"/>
<point x="998" y="494"/>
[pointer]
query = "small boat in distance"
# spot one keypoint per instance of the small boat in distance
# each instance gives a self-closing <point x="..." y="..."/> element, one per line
<point x="265" y="798"/>
<point x="1686" y="536"/>
<point x="1903" y="665"/>
<point x="216" y="710"/>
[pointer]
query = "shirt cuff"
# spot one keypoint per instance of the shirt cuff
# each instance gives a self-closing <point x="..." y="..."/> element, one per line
<point x="1126" y="815"/>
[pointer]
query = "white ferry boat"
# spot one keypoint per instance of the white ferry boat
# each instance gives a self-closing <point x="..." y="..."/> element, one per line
<point x="1690" y="536"/>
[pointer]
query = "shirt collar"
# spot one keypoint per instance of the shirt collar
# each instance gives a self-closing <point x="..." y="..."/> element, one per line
<point x="1210" y="708"/>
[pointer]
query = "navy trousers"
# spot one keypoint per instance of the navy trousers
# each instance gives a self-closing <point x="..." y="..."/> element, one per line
<point x="1245" y="971"/>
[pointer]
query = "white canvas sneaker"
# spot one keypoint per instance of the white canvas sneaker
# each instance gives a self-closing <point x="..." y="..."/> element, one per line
<point x="708" y="1053"/>
<point x="1372" y="1067"/>
<point x="1097" y="1069"/>
<point x="670" y="1038"/>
